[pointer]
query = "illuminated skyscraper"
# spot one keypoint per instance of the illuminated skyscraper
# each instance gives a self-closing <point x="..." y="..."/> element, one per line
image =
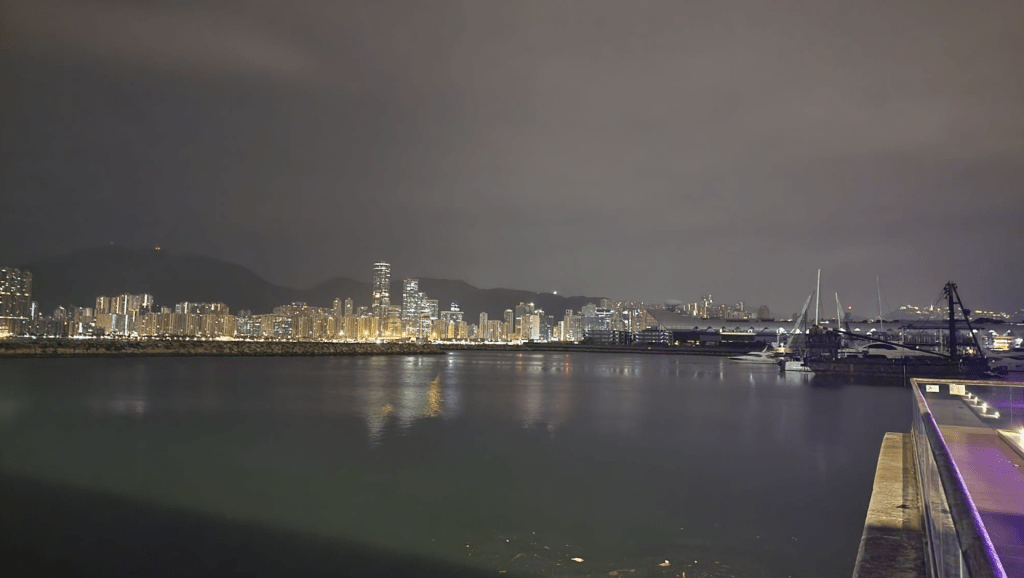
<point x="15" y="300"/>
<point x="431" y="307"/>
<point x="381" y="291"/>
<point x="411" y="305"/>
<point x="482" y="332"/>
<point x="456" y="313"/>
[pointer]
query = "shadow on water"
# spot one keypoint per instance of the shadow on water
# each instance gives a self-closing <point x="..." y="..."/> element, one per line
<point x="52" y="530"/>
<point x="841" y="381"/>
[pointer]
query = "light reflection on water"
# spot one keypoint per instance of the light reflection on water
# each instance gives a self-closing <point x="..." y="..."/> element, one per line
<point x="629" y="458"/>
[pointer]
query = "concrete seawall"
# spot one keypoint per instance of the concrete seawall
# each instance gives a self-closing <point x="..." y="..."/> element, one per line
<point x="892" y="545"/>
<point x="173" y="347"/>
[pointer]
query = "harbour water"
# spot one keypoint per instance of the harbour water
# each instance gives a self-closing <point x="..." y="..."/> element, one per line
<point x="472" y="463"/>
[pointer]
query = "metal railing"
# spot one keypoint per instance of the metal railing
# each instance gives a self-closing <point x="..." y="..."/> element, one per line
<point x="958" y="544"/>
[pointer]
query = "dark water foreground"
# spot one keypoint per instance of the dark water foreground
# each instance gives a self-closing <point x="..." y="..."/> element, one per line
<point x="471" y="464"/>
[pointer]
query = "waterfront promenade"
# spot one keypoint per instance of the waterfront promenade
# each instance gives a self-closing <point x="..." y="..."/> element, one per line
<point x="966" y="486"/>
<point x="993" y="473"/>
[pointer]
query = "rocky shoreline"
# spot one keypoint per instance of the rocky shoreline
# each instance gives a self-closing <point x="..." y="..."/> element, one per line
<point x="175" y="347"/>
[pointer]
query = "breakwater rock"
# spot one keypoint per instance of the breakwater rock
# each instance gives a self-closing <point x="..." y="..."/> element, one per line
<point x="175" y="347"/>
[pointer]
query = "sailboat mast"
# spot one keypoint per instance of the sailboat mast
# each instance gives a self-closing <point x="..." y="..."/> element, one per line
<point x="878" y="285"/>
<point x="839" y="311"/>
<point x="817" y="298"/>
<point x="950" y="288"/>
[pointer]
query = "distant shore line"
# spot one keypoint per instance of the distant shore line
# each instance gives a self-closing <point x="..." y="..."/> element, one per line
<point x="589" y="348"/>
<point x="200" y="348"/>
<point x="194" y="348"/>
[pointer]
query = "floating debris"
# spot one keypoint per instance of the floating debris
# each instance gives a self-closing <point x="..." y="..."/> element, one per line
<point x="665" y="563"/>
<point x="576" y="559"/>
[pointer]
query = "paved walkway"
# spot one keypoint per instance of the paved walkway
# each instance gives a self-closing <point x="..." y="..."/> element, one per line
<point x="994" y="475"/>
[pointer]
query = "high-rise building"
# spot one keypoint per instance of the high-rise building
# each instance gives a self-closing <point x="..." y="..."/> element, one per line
<point x="381" y="291"/>
<point x="431" y="308"/>
<point x="411" y="303"/>
<point x="456" y="313"/>
<point x="15" y="300"/>
<point x="529" y="327"/>
<point x="393" y="323"/>
<point x="522" y="310"/>
<point x="482" y="326"/>
<point x="706" y="307"/>
<point x="573" y="328"/>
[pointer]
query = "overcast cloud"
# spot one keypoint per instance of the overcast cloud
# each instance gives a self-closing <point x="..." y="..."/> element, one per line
<point x="640" y="150"/>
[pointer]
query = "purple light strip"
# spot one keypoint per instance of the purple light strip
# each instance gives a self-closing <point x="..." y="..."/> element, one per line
<point x="986" y="541"/>
<point x="961" y="487"/>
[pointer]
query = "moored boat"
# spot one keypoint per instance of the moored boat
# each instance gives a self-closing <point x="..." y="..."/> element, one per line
<point x="767" y="356"/>
<point x="791" y="365"/>
<point x="895" y="359"/>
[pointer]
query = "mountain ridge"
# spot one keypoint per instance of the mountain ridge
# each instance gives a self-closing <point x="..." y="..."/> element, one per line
<point x="78" y="278"/>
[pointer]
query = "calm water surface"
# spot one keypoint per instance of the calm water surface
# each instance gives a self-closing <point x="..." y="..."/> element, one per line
<point x="472" y="463"/>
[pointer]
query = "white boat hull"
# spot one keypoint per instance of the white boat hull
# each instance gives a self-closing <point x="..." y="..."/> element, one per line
<point x="795" y="366"/>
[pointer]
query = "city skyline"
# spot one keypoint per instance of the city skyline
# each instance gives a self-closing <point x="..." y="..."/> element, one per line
<point x="417" y="317"/>
<point x="880" y="294"/>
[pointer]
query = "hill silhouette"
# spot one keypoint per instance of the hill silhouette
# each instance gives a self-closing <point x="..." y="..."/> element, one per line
<point x="78" y="278"/>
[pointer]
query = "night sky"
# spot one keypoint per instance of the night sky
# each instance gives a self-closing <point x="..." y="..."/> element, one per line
<point x="639" y="150"/>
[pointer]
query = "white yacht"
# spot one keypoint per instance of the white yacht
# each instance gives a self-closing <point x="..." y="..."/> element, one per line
<point x="886" y="350"/>
<point x="1006" y="363"/>
<point x="767" y="357"/>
